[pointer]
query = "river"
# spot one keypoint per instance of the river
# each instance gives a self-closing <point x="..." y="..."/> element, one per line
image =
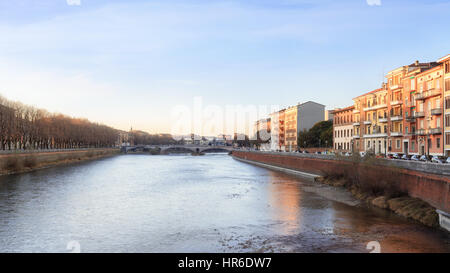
<point x="183" y="203"/>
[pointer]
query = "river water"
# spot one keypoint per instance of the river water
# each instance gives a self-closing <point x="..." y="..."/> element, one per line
<point x="183" y="203"/>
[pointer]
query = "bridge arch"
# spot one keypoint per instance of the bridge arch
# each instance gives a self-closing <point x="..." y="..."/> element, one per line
<point x="215" y="150"/>
<point x="177" y="149"/>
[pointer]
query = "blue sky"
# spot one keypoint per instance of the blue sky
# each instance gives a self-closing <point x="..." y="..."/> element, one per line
<point x="126" y="63"/>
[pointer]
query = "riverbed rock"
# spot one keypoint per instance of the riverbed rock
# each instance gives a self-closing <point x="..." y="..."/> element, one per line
<point x="416" y="209"/>
<point x="380" y="202"/>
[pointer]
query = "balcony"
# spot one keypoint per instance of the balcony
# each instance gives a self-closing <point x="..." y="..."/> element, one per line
<point x="397" y="118"/>
<point x="421" y="132"/>
<point x="375" y="135"/>
<point x="427" y="94"/>
<point x="396" y="102"/>
<point x="436" y="111"/>
<point x="396" y="134"/>
<point x="435" y="131"/>
<point x="397" y="86"/>
<point x="410" y="118"/>
<point x="356" y="123"/>
<point x="356" y="136"/>
<point x="375" y="107"/>
<point x="355" y="111"/>
<point x="367" y="122"/>
<point x="419" y="114"/>
<point x="382" y="119"/>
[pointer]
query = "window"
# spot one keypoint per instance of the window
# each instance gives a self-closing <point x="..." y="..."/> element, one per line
<point x="438" y="83"/>
<point x="447" y="85"/>
<point x="413" y="84"/>
<point x="447" y="102"/>
<point x="398" y="144"/>
<point x="447" y="120"/>
<point x="438" y="142"/>
<point x="413" y="145"/>
<point x="438" y="122"/>
<point x="447" y="138"/>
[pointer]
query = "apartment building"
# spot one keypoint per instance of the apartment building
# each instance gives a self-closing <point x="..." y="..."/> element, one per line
<point x="445" y="61"/>
<point x="402" y="86"/>
<point x="429" y="106"/>
<point x="370" y="129"/>
<point x="262" y="128"/>
<point x="301" y="117"/>
<point x="343" y="129"/>
<point x="277" y="134"/>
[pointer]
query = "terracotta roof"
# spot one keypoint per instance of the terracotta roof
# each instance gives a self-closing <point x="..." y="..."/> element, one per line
<point x="429" y="70"/>
<point x="445" y="58"/>
<point x="342" y="109"/>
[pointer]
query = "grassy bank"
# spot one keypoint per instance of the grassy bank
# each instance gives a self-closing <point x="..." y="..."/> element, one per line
<point x="382" y="192"/>
<point x="18" y="163"/>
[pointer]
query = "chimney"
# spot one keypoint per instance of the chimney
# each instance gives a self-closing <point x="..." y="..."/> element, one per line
<point x="417" y="62"/>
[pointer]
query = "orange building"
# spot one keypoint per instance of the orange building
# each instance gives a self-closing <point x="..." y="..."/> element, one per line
<point x="445" y="61"/>
<point x="370" y="129"/>
<point x="429" y="107"/>
<point x="402" y="85"/>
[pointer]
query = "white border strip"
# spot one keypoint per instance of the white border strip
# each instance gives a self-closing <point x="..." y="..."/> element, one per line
<point x="308" y="176"/>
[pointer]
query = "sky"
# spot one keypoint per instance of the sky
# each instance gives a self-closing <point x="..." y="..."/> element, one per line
<point x="136" y="63"/>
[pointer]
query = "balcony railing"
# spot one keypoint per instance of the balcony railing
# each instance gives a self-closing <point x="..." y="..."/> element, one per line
<point x="397" y="101"/>
<point x="394" y="134"/>
<point x="355" y="136"/>
<point x="374" y="107"/>
<point x="429" y="93"/>
<point x="356" y="123"/>
<point x="367" y="122"/>
<point x="382" y="119"/>
<point x="435" y="131"/>
<point x="419" y="114"/>
<point x="396" y="118"/>
<point x="436" y="111"/>
<point x="411" y="118"/>
<point x="396" y="86"/>
<point x="421" y="132"/>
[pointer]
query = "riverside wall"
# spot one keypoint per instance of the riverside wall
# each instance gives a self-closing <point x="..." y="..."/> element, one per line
<point x="427" y="182"/>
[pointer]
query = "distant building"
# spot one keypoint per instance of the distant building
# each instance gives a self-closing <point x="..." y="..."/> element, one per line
<point x="299" y="118"/>
<point x="343" y="129"/>
<point x="262" y="127"/>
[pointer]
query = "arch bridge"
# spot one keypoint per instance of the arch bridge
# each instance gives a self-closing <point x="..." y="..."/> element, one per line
<point x="166" y="149"/>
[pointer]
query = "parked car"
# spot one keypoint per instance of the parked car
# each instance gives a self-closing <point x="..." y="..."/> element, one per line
<point x="425" y="158"/>
<point x="415" y="158"/>
<point x="348" y="154"/>
<point x="305" y="152"/>
<point x="437" y="159"/>
<point x="406" y="157"/>
<point x="318" y="153"/>
<point x="396" y="156"/>
<point x="448" y="160"/>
